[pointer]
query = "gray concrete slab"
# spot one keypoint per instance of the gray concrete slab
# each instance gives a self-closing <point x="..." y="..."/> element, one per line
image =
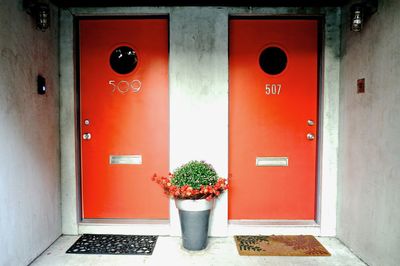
<point x="169" y="251"/>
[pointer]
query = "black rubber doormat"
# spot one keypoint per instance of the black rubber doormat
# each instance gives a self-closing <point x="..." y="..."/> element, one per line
<point x="114" y="244"/>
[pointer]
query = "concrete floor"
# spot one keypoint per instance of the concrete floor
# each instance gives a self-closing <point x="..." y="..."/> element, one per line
<point x="168" y="251"/>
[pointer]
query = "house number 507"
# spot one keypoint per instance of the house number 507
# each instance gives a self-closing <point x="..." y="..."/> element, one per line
<point x="273" y="89"/>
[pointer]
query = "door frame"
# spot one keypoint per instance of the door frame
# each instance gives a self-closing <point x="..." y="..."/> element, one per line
<point x="329" y="120"/>
<point x="320" y="87"/>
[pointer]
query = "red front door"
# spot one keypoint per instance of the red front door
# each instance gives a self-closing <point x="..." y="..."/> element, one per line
<point x="123" y="116"/>
<point x="273" y="118"/>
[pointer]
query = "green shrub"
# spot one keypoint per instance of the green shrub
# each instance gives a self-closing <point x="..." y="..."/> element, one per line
<point x="195" y="174"/>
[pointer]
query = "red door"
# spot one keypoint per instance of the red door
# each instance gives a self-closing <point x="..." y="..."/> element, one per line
<point x="273" y="75"/>
<point x="123" y="116"/>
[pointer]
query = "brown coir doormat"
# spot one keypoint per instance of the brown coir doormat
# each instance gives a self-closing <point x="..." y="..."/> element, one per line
<point x="279" y="246"/>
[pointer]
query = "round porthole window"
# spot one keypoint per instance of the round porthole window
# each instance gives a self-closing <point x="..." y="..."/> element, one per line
<point x="123" y="60"/>
<point x="273" y="60"/>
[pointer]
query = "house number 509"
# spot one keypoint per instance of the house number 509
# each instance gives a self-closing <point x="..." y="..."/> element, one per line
<point x="273" y="89"/>
<point x="124" y="86"/>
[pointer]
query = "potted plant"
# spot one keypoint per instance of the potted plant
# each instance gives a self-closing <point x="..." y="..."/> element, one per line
<point x="194" y="186"/>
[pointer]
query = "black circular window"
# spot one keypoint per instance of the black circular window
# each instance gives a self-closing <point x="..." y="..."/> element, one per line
<point x="273" y="60"/>
<point x="123" y="60"/>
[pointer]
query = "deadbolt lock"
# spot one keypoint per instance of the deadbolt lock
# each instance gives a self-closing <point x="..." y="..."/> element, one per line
<point x="310" y="136"/>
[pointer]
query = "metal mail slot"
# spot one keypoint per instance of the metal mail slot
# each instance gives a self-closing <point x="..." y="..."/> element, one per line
<point x="125" y="159"/>
<point x="272" y="161"/>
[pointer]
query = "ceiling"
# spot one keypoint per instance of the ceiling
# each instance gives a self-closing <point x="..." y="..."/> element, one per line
<point x="265" y="3"/>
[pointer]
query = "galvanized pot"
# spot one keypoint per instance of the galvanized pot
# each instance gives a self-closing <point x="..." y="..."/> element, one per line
<point x="194" y="216"/>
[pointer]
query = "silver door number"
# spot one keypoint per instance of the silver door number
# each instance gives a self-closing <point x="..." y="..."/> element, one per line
<point x="124" y="86"/>
<point x="273" y="89"/>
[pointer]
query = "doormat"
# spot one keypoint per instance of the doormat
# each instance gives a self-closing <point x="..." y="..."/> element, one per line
<point x="114" y="244"/>
<point x="279" y="246"/>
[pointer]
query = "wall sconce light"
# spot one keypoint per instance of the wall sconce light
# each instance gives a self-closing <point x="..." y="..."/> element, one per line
<point x="360" y="12"/>
<point x="357" y="15"/>
<point x="41" y="13"/>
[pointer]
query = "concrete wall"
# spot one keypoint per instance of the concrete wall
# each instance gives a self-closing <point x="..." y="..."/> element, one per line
<point x="30" y="208"/>
<point x="199" y="98"/>
<point x="369" y="183"/>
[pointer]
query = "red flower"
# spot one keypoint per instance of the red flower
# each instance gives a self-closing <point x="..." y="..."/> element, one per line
<point x="187" y="192"/>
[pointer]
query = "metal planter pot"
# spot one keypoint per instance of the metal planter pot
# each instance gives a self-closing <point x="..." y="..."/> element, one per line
<point x="194" y="216"/>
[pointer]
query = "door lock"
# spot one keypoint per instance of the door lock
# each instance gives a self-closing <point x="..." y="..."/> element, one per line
<point x="310" y="136"/>
<point x="310" y="122"/>
<point x="87" y="136"/>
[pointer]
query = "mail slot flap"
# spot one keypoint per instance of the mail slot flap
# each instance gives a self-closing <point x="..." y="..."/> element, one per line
<point x="272" y="161"/>
<point x="125" y="159"/>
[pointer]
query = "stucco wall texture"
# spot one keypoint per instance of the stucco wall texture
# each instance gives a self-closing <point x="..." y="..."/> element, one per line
<point x="369" y="169"/>
<point x="30" y="207"/>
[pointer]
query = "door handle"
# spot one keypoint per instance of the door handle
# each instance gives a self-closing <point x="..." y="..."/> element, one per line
<point x="310" y="136"/>
<point x="86" y="136"/>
